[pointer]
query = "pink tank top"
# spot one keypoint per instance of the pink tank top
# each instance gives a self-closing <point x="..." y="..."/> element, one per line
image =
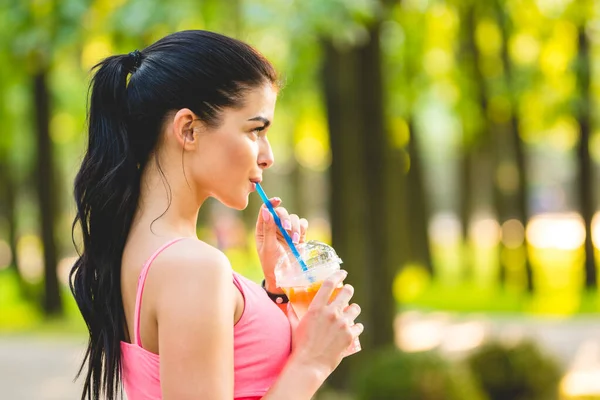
<point x="262" y="344"/>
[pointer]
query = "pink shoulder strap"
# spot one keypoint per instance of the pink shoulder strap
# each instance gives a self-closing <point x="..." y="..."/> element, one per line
<point x="140" y="289"/>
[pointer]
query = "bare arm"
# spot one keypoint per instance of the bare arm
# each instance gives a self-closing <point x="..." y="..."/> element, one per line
<point x="195" y="312"/>
<point x="298" y="381"/>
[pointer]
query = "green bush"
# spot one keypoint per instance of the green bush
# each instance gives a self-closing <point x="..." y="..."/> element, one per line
<point x="517" y="372"/>
<point x="392" y="374"/>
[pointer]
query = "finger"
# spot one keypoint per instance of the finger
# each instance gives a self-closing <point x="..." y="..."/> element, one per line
<point x="295" y="228"/>
<point x="265" y="216"/>
<point x="266" y="227"/>
<point x="326" y="290"/>
<point x="284" y="216"/>
<point x="275" y="201"/>
<point x="303" y="229"/>
<point x="351" y="312"/>
<point x="357" y="329"/>
<point x="343" y="298"/>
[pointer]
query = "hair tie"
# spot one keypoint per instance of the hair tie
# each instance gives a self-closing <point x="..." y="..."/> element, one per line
<point x="135" y="58"/>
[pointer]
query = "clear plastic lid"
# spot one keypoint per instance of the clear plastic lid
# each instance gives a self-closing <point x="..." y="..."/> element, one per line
<point x="320" y="258"/>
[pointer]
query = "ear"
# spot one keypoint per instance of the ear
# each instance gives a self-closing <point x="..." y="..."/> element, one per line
<point x="185" y="128"/>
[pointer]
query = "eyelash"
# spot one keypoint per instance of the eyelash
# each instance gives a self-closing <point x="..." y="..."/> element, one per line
<point x="257" y="130"/>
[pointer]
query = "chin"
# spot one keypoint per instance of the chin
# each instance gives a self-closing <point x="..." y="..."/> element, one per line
<point x="237" y="204"/>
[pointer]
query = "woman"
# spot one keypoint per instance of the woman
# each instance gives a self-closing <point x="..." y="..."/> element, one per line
<point x="183" y="120"/>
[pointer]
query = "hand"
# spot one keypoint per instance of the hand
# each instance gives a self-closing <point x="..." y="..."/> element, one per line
<point x="271" y="244"/>
<point x="323" y="335"/>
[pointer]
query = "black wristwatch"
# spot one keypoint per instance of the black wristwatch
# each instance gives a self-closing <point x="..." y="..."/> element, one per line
<point x="277" y="298"/>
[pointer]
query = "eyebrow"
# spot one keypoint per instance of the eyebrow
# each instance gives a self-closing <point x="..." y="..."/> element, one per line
<point x="265" y="121"/>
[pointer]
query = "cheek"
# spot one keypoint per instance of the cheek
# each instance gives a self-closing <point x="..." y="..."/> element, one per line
<point x="239" y="153"/>
<point x="217" y="163"/>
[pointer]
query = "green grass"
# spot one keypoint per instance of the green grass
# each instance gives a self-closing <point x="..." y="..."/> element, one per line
<point x="468" y="298"/>
<point x="558" y="283"/>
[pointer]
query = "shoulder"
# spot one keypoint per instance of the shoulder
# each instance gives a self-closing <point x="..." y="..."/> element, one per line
<point x="191" y="267"/>
<point x="191" y="256"/>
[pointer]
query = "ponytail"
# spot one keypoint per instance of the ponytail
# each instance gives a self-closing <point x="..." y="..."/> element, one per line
<point x="106" y="194"/>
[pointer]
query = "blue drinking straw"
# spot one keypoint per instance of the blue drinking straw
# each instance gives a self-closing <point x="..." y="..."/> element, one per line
<point x="287" y="237"/>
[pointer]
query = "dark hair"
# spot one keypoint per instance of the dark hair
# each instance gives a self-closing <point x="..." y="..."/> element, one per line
<point x="131" y="95"/>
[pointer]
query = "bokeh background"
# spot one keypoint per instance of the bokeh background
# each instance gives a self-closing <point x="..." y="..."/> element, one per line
<point x="449" y="151"/>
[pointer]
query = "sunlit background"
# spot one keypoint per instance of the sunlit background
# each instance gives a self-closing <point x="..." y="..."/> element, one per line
<point x="485" y="178"/>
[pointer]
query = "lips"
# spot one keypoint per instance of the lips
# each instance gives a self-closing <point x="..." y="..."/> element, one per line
<point x="253" y="182"/>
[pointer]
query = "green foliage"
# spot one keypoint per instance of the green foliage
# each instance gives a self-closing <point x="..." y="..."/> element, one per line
<point x="21" y="316"/>
<point x="517" y="372"/>
<point x="392" y="374"/>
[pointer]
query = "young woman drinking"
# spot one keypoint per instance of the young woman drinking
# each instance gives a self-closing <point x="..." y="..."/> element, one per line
<point x="170" y="126"/>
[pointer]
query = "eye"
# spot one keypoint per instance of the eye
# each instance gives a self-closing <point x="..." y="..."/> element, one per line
<point x="256" y="131"/>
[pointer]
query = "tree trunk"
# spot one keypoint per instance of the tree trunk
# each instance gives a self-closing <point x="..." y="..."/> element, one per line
<point x="359" y="177"/>
<point x="398" y="211"/>
<point x="586" y="183"/>
<point x="11" y="209"/>
<point x="418" y="206"/>
<point x="468" y="59"/>
<point x="466" y="208"/>
<point x="47" y="196"/>
<point x="517" y="144"/>
<point x="8" y="203"/>
<point x="492" y="139"/>
<point x="522" y="198"/>
<point x="375" y="151"/>
<point x="500" y="200"/>
<point x="348" y="204"/>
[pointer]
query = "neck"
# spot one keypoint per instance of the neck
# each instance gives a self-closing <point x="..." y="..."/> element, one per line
<point x="168" y="206"/>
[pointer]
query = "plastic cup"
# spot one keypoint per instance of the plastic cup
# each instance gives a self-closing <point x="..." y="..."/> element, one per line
<point x="301" y="285"/>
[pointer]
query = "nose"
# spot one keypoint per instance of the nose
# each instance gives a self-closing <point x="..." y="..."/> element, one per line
<point x="265" y="154"/>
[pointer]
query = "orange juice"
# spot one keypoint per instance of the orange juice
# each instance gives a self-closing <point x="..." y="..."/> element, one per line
<point x="301" y="297"/>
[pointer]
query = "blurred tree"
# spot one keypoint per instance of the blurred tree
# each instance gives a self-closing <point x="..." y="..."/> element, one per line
<point x="513" y="126"/>
<point x="43" y="31"/>
<point x="585" y="182"/>
<point x="8" y="179"/>
<point x="486" y="33"/>
<point x="46" y="184"/>
<point x="403" y="48"/>
<point x="42" y="28"/>
<point x="8" y="206"/>
<point x="417" y="205"/>
<point x="486" y="137"/>
<point x="360" y="209"/>
<point x="417" y="201"/>
<point x="466" y="193"/>
<point x="474" y="129"/>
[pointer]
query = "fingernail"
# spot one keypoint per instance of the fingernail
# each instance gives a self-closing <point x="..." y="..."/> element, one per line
<point x="296" y="237"/>
<point x="344" y="273"/>
<point x="287" y="224"/>
<point x="266" y="215"/>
